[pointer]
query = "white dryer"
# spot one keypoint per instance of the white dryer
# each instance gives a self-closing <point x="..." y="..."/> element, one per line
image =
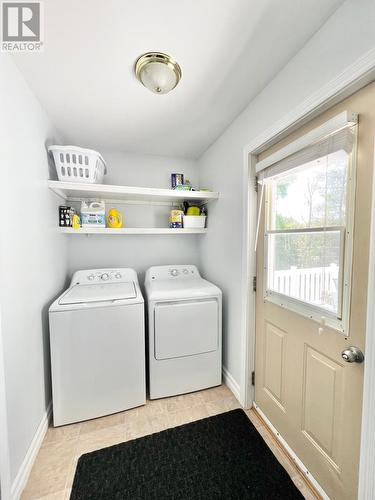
<point x="184" y="325"/>
<point x="97" y="341"/>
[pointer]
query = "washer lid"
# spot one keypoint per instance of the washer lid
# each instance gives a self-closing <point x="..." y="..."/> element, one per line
<point x="79" y="294"/>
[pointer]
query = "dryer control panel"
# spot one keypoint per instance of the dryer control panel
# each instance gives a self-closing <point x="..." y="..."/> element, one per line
<point x="173" y="272"/>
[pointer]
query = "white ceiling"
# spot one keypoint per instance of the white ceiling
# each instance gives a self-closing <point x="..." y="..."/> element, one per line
<point x="228" y="51"/>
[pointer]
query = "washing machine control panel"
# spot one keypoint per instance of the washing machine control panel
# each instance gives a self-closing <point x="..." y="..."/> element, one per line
<point x="104" y="276"/>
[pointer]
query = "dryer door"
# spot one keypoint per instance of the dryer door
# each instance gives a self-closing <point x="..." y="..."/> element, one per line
<point x="186" y="328"/>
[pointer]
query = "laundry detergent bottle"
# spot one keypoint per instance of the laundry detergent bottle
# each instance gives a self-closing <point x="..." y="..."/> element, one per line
<point x="114" y="218"/>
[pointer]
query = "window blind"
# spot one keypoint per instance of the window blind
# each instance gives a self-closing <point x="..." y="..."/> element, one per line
<point x="342" y="140"/>
<point x="334" y="135"/>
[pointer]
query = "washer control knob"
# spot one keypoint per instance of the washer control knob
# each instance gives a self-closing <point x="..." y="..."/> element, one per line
<point x="118" y="276"/>
<point x="174" y="272"/>
<point x="105" y="276"/>
<point x="91" y="277"/>
<point x="185" y="271"/>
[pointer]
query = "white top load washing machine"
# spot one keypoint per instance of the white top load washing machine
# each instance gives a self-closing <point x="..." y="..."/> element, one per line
<point x="97" y="343"/>
<point x="184" y="316"/>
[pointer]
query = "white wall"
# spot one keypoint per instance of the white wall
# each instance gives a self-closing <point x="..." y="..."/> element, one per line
<point x="138" y="252"/>
<point x="32" y="258"/>
<point x="346" y="36"/>
<point x="130" y="169"/>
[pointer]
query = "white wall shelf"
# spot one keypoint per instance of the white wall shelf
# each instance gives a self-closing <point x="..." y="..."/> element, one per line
<point x="130" y="230"/>
<point x="71" y="191"/>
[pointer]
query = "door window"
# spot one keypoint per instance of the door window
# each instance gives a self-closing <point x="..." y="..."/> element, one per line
<point x="308" y="234"/>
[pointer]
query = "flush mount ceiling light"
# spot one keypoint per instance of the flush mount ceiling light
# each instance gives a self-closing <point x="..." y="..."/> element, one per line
<point x="158" y="72"/>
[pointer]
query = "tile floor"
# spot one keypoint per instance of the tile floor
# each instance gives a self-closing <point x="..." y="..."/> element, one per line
<point x="52" y="475"/>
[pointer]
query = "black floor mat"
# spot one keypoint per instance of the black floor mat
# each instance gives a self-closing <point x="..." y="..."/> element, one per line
<point x="221" y="457"/>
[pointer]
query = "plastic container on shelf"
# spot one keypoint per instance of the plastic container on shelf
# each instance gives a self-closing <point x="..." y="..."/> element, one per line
<point x="74" y="164"/>
<point x="93" y="214"/>
<point x="194" y="221"/>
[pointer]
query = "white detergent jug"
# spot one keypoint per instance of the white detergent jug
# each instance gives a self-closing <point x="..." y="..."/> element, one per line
<point x="93" y="214"/>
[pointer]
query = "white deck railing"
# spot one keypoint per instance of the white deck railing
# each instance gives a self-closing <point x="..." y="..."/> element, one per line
<point x="316" y="285"/>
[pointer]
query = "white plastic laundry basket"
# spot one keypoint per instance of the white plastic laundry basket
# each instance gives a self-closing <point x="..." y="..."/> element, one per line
<point x="75" y="164"/>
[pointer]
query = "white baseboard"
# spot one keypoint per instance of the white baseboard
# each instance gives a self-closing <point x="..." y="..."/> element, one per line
<point x="231" y="383"/>
<point x="20" y="480"/>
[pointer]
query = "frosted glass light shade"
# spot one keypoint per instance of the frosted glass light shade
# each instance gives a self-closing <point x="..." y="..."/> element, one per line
<point x="158" y="72"/>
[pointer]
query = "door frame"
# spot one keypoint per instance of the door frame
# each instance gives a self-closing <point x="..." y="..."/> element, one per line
<point x="352" y="79"/>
